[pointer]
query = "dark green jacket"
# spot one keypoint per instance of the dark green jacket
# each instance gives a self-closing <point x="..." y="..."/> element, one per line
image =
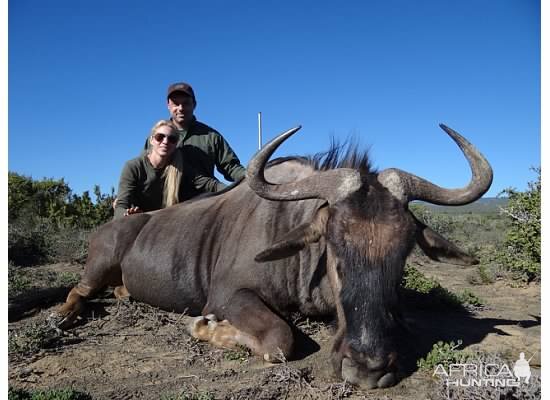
<point x="141" y="185"/>
<point x="205" y="148"/>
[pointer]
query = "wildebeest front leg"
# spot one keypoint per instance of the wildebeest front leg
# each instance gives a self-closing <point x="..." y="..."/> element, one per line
<point x="67" y="313"/>
<point x="255" y="326"/>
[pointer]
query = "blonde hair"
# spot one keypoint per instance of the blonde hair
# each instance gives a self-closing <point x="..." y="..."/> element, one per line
<point x="173" y="172"/>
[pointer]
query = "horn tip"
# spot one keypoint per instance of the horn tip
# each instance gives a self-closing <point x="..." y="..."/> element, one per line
<point x="292" y="131"/>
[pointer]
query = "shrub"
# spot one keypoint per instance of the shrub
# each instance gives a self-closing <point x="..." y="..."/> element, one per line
<point x="240" y="354"/>
<point x="29" y="281"/>
<point x="28" y="241"/>
<point x="32" y="338"/>
<point x="47" y="222"/>
<point x="444" y="354"/>
<point x="440" y="297"/>
<point x="521" y="251"/>
<point x="68" y="245"/>
<point x="441" y="223"/>
<point x="18" y="281"/>
<point x="55" y="394"/>
<point x="467" y="297"/>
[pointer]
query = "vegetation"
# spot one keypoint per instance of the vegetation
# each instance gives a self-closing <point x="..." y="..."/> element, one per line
<point x="18" y="281"/>
<point x="22" y="280"/>
<point x="521" y="250"/>
<point x="56" y="394"/>
<point x="47" y="222"/>
<point x="240" y="354"/>
<point x="32" y="338"/>
<point x="444" y="354"/>
<point x="507" y="243"/>
<point x="468" y="297"/>
<point x="440" y="297"/>
<point x="477" y="234"/>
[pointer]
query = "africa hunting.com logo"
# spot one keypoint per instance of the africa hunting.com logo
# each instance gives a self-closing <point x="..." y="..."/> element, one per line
<point x="486" y="374"/>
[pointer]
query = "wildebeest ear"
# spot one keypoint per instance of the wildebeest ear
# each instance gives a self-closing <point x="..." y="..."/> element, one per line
<point x="440" y="249"/>
<point x="297" y="239"/>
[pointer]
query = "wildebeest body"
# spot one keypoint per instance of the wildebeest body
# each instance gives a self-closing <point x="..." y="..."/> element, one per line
<point x="209" y="246"/>
<point x="319" y="238"/>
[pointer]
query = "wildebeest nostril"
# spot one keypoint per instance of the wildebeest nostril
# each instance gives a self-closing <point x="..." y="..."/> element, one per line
<point x="387" y="380"/>
<point x="375" y="363"/>
<point x="350" y="372"/>
<point x="372" y="379"/>
<point x="367" y="377"/>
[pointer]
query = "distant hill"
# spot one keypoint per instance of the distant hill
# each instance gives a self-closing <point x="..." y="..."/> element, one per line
<point x="485" y="205"/>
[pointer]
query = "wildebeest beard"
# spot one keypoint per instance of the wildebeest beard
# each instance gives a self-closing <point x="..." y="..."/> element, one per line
<point x="370" y="301"/>
<point x="369" y="294"/>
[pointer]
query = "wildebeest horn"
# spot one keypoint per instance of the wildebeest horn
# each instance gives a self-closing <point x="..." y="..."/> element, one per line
<point x="331" y="185"/>
<point x="409" y="187"/>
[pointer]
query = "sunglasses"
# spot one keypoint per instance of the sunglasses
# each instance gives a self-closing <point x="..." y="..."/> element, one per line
<point x="159" y="137"/>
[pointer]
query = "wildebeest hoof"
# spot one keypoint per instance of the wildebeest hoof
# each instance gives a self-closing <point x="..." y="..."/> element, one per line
<point x="59" y="321"/>
<point x="197" y="322"/>
<point x="211" y="317"/>
<point x="202" y="327"/>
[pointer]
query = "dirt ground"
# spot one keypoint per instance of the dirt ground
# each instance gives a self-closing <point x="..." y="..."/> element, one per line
<point x="128" y="350"/>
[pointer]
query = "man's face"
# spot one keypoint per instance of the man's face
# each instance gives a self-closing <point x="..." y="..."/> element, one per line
<point x="181" y="107"/>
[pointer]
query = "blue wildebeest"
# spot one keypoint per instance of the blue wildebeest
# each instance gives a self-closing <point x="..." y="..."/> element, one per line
<point x="321" y="236"/>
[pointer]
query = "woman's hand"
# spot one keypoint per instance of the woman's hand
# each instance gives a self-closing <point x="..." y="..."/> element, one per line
<point x="133" y="210"/>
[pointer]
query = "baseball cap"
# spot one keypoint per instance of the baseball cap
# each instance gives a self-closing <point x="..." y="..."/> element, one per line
<point x="181" y="87"/>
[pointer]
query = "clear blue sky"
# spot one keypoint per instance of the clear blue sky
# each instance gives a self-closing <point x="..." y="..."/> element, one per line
<point x="87" y="80"/>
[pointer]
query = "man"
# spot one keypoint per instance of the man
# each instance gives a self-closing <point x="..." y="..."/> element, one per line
<point x="204" y="148"/>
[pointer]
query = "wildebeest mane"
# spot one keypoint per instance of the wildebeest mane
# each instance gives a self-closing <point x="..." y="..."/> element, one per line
<point x="345" y="155"/>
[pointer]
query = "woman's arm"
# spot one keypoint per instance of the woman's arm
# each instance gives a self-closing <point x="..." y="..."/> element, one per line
<point x="127" y="189"/>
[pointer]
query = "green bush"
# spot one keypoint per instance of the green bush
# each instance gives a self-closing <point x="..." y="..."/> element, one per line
<point x="32" y="338"/>
<point x="521" y="250"/>
<point x="468" y="297"/>
<point x="473" y="232"/>
<point x="28" y="241"/>
<point x="47" y="222"/>
<point x="444" y="354"/>
<point x="439" y="222"/>
<point x="54" y="394"/>
<point x="416" y="281"/>
<point x="240" y="354"/>
<point x="53" y="200"/>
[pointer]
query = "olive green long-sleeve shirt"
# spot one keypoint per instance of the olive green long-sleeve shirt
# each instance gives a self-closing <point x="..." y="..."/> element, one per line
<point x="205" y="148"/>
<point x="141" y="185"/>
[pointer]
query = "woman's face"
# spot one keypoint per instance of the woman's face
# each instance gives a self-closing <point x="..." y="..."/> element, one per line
<point x="164" y="141"/>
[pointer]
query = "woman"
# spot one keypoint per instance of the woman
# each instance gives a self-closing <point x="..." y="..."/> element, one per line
<point x="159" y="178"/>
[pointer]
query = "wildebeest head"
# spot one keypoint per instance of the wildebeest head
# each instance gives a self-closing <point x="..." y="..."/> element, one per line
<point x="369" y="232"/>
